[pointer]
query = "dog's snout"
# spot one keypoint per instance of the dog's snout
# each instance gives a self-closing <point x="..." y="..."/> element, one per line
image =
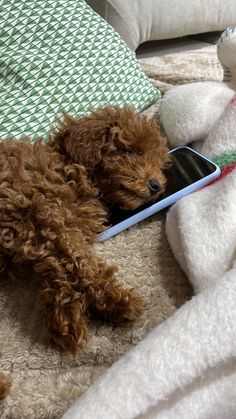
<point x="154" y="186"/>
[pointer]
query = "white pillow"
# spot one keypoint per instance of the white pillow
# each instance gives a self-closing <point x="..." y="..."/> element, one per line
<point x="138" y="21"/>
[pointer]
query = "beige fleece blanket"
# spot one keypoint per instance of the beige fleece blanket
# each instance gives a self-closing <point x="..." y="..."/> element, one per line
<point x="46" y="382"/>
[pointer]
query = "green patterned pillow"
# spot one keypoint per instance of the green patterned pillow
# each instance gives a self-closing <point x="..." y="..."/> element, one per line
<point x="59" y="54"/>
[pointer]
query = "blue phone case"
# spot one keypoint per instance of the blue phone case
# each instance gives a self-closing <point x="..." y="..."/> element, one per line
<point x="165" y="202"/>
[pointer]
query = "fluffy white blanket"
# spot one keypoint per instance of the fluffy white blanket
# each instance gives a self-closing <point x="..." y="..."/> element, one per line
<point x="186" y="367"/>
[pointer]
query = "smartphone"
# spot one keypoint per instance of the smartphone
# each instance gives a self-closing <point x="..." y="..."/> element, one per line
<point x="190" y="171"/>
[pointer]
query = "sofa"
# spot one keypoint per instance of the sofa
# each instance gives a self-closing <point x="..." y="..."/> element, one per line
<point x="138" y="21"/>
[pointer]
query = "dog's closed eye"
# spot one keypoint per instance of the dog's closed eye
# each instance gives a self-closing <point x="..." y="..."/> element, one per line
<point x="130" y="152"/>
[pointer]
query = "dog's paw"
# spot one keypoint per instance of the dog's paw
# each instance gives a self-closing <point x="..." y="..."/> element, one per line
<point x="67" y="327"/>
<point x="128" y="309"/>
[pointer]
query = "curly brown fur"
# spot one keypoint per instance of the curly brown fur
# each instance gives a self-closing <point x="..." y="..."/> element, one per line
<point x="5" y="386"/>
<point x="54" y="201"/>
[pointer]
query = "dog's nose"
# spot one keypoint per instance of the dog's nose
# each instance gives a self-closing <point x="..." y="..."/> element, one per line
<point x="154" y="186"/>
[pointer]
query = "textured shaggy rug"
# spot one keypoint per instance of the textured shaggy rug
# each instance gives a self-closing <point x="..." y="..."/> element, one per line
<point x="45" y="382"/>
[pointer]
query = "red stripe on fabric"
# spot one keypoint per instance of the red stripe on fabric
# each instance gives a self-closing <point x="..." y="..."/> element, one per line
<point x="225" y="170"/>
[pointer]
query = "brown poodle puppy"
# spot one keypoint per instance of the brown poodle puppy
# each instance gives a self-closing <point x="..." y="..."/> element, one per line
<point x="54" y="201"/>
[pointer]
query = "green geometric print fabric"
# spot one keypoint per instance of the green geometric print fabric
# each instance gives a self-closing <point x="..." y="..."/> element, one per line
<point x="60" y="55"/>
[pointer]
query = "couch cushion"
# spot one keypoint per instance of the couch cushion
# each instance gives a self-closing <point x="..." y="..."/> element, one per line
<point x="145" y="20"/>
<point x="61" y="55"/>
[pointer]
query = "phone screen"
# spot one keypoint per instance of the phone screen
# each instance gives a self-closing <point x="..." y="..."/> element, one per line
<point x="188" y="167"/>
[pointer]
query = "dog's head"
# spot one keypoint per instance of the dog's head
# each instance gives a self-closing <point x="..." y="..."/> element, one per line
<point x="122" y="150"/>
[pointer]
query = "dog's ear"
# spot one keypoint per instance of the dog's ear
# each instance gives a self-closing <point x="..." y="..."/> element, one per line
<point x="85" y="140"/>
